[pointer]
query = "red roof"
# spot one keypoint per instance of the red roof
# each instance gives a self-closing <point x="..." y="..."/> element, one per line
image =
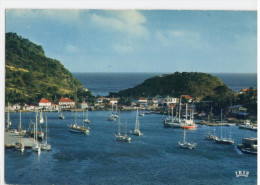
<point x="187" y="96"/>
<point x="244" y="90"/>
<point x="43" y="100"/>
<point x="65" y="100"/>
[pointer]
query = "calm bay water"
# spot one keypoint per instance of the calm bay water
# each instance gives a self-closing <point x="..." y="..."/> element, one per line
<point x="103" y="83"/>
<point x="153" y="158"/>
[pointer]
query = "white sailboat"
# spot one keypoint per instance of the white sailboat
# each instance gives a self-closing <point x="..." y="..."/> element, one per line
<point x="46" y="146"/>
<point x="221" y="140"/>
<point x="76" y="128"/>
<point x="112" y="116"/>
<point x="137" y="131"/>
<point x="41" y="117"/>
<point x="9" y="123"/>
<point x="36" y="146"/>
<point x="189" y="124"/>
<point x="186" y="144"/>
<point x="209" y="136"/>
<point x="119" y="136"/>
<point x="19" y="145"/>
<point x="86" y="120"/>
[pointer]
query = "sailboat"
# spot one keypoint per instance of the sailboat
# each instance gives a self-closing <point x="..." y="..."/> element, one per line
<point x="186" y="144"/>
<point x="9" y="123"/>
<point x="36" y="146"/>
<point x="76" y="128"/>
<point x="46" y="146"/>
<point x="61" y="116"/>
<point x="112" y="116"/>
<point x="86" y="120"/>
<point x="41" y="117"/>
<point x="189" y="124"/>
<point x="137" y="125"/>
<point x="19" y="145"/>
<point x="209" y="136"/>
<point x="119" y="137"/>
<point x="221" y="140"/>
<point x="39" y="133"/>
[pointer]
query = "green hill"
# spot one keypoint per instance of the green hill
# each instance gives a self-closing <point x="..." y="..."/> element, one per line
<point x="194" y="84"/>
<point x="30" y="75"/>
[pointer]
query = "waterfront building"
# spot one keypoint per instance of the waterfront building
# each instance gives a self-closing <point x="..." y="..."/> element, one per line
<point x="66" y="103"/>
<point x="188" y="98"/>
<point x="142" y="101"/>
<point x="54" y="106"/>
<point x="83" y="105"/>
<point x="167" y="101"/>
<point x="44" y="104"/>
<point x="114" y="101"/>
<point x="101" y="99"/>
<point x="242" y="91"/>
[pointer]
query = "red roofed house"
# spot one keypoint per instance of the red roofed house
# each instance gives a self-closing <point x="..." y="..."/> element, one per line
<point x="114" y="101"/>
<point x="188" y="98"/>
<point x="44" y="103"/>
<point x="66" y="103"/>
<point x="244" y="91"/>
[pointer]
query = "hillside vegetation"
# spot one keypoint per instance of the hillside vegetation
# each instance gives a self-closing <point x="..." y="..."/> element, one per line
<point x="194" y="84"/>
<point x="30" y="75"/>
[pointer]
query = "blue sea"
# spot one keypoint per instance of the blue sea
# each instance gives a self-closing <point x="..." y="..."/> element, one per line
<point x="153" y="158"/>
<point x="103" y="83"/>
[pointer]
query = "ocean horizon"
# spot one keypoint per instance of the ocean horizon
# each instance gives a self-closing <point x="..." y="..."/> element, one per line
<point x="101" y="83"/>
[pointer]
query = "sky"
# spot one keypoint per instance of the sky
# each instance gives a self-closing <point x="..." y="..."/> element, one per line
<point x="142" y="40"/>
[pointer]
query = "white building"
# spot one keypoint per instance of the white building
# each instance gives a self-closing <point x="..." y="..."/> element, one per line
<point x="66" y="103"/>
<point x="44" y="103"/>
<point x="114" y="101"/>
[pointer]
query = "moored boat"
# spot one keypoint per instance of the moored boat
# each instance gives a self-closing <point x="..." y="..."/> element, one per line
<point x="249" y="145"/>
<point x="186" y="144"/>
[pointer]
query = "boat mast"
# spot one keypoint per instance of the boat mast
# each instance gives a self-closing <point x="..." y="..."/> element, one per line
<point x="8" y="116"/>
<point x="83" y="117"/>
<point x="172" y="114"/>
<point x="20" y="125"/>
<point x="46" y="129"/>
<point x="221" y="124"/>
<point x="180" y="110"/>
<point x="36" y="126"/>
<point x="136" y="121"/>
<point x="76" y="109"/>
<point x="119" y="124"/>
<point x="186" y="117"/>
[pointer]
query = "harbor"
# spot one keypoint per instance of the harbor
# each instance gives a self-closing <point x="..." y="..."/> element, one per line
<point x="97" y="153"/>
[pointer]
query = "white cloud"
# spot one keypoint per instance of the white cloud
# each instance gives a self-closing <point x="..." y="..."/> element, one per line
<point x="172" y="37"/>
<point x="71" y="48"/>
<point x="127" y="21"/>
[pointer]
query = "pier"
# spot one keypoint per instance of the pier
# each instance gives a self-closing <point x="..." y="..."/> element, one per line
<point x="12" y="138"/>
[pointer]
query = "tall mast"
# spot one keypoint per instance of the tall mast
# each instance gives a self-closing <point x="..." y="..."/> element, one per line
<point x="136" y="121"/>
<point x="186" y="113"/>
<point x="20" y="125"/>
<point x="172" y="114"/>
<point x="221" y="124"/>
<point x="76" y="108"/>
<point x="180" y="110"/>
<point x="119" y="124"/>
<point x="36" y="126"/>
<point x="46" y="128"/>
<point x="83" y="117"/>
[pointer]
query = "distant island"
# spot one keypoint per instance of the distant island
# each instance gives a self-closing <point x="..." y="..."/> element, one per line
<point x="30" y="75"/>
